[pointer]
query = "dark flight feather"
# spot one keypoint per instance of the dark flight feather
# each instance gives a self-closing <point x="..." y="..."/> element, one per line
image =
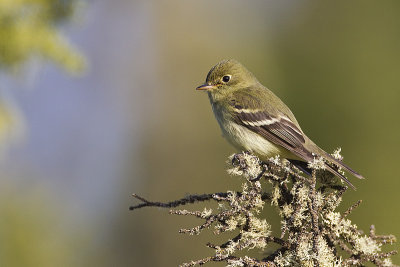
<point x="282" y="131"/>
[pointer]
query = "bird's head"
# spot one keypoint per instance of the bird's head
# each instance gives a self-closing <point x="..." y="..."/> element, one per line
<point x="227" y="76"/>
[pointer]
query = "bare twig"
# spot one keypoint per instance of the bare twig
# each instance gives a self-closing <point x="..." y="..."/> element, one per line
<point x="352" y="207"/>
<point x="175" y="203"/>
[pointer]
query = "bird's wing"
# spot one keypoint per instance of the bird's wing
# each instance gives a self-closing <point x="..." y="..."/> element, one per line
<point x="278" y="129"/>
<point x="275" y="127"/>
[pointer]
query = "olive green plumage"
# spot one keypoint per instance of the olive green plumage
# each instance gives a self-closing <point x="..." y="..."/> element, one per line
<point x="253" y="118"/>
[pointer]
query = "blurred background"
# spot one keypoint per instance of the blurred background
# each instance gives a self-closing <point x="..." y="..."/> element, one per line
<point x="97" y="102"/>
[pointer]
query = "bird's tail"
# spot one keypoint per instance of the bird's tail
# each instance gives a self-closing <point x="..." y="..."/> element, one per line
<point x="303" y="166"/>
<point x="330" y="159"/>
<point x="338" y="174"/>
<point x="339" y="163"/>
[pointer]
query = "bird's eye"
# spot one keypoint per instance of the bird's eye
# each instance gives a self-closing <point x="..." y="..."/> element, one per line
<point x="226" y="78"/>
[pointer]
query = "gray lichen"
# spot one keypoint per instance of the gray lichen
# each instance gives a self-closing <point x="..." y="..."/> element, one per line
<point x="313" y="232"/>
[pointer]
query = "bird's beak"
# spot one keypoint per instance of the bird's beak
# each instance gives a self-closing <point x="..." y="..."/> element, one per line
<point x="205" y="87"/>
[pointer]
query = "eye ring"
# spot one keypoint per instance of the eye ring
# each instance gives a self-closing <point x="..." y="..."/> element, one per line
<point x="226" y="78"/>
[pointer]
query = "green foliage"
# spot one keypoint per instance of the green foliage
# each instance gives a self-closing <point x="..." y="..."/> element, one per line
<point x="28" y="29"/>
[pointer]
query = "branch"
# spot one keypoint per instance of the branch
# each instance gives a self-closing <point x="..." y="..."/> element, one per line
<point x="183" y="201"/>
<point x="313" y="232"/>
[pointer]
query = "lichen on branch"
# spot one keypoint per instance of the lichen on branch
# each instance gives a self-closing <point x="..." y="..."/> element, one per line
<point x="313" y="232"/>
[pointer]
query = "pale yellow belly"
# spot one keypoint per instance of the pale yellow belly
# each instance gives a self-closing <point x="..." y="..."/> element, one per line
<point x="246" y="140"/>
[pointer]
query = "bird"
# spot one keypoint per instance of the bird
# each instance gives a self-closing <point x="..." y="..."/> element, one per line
<point x="252" y="118"/>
